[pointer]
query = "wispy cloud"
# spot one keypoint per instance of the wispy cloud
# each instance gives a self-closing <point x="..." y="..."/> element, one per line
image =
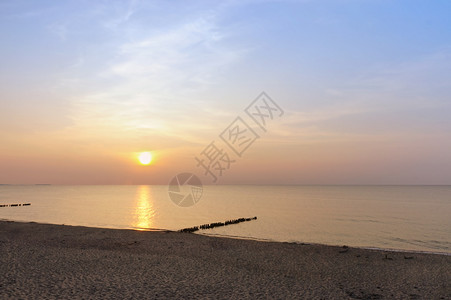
<point x="151" y="80"/>
<point x="384" y="102"/>
<point x="415" y="79"/>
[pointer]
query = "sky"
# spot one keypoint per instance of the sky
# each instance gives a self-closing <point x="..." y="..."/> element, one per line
<point x="364" y="85"/>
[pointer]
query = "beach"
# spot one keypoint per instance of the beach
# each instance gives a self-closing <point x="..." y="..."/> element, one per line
<point x="65" y="262"/>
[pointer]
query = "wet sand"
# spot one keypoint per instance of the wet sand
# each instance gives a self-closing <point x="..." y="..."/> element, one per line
<point x="53" y="261"/>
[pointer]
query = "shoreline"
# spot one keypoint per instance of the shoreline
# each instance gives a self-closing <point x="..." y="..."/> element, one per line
<point x="63" y="261"/>
<point x="249" y="238"/>
<point x="327" y="245"/>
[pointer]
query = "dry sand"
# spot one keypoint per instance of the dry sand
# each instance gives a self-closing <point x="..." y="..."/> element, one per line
<point x="54" y="262"/>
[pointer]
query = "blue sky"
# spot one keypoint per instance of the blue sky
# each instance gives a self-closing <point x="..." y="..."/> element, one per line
<point x="364" y="84"/>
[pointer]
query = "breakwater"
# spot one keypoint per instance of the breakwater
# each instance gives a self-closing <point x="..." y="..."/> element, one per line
<point x="217" y="224"/>
<point x="15" y="205"/>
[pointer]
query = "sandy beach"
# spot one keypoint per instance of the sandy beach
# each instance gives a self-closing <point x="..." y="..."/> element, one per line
<point x="40" y="261"/>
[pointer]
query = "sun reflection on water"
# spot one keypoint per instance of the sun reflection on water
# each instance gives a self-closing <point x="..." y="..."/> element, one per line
<point x="144" y="212"/>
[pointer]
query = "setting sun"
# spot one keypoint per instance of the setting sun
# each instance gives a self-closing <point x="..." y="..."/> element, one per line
<point x="145" y="158"/>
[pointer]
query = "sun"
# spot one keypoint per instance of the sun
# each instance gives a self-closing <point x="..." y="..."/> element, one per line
<point x="145" y="158"/>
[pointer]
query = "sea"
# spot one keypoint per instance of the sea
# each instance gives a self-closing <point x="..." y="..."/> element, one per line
<point x="413" y="218"/>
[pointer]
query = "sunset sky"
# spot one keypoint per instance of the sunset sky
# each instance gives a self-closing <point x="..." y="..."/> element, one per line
<point x="365" y="85"/>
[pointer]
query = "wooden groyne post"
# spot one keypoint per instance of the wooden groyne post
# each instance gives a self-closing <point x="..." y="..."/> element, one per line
<point x="15" y="205"/>
<point x="217" y="224"/>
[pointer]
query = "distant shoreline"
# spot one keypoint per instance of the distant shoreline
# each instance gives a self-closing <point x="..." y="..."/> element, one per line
<point x="275" y="184"/>
<point x="74" y="261"/>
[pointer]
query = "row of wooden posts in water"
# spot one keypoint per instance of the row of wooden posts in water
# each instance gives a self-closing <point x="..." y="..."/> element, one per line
<point x="15" y="205"/>
<point x="217" y="224"/>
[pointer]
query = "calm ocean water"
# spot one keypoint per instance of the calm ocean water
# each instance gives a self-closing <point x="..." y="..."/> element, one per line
<point x="394" y="217"/>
